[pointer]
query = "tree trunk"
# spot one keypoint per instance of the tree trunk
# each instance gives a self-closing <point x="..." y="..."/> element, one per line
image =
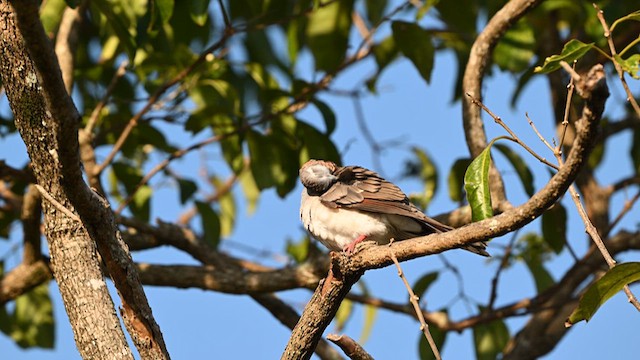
<point x="74" y="259"/>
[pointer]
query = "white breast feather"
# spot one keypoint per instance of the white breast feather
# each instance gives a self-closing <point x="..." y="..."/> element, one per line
<point x="336" y="228"/>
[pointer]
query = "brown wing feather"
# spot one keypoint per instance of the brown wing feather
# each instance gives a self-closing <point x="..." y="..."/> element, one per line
<point x="362" y="189"/>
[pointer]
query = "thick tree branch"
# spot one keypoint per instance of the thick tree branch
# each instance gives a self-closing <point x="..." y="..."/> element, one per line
<point x="94" y="211"/>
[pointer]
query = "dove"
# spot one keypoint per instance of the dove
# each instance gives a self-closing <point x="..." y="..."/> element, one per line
<point x="342" y="206"/>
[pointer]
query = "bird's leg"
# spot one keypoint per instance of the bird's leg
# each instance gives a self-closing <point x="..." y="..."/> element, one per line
<point x="349" y="249"/>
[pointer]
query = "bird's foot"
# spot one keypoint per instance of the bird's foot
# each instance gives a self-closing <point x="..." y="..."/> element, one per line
<point x="349" y="249"/>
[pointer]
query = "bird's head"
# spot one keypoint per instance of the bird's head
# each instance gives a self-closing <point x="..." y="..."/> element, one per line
<point x="318" y="175"/>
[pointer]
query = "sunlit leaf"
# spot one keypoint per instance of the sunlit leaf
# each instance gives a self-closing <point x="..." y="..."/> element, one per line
<point x="141" y="203"/>
<point x="554" y="227"/>
<point x="516" y="48"/>
<point x="635" y="16"/>
<point x="51" y="14"/>
<point x="370" y="314"/>
<point x="490" y="339"/>
<point x="415" y="44"/>
<point x="328" y="34"/>
<point x="476" y="184"/>
<point x="603" y="289"/>
<point x="299" y="251"/>
<point x="120" y="28"/>
<point x="455" y="180"/>
<point x="429" y="176"/>
<point x="630" y="65"/>
<point x="523" y="171"/>
<point x="344" y="313"/>
<point x="165" y="9"/>
<point x="199" y="11"/>
<point x="33" y="323"/>
<point x="250" y="190"/>
<point x="227" y="206"/>
<point x="210" y="223"/>
<point x="573" y="50"/>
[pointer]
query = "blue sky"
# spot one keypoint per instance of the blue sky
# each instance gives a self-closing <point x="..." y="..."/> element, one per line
<point x="198" y="324"/>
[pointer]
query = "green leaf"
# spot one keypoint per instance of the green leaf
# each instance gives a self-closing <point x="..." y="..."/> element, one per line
<point x="631" y="65"/>
<point x="541" y="275"/>
<point x="327" y="114"/>
<point x="119" y="27"/>
<point x="603" y="289"/>
<point x="328" y="34"/>
<point x="490" y="339"/>
<point x="439" y="338"/>
<point x="210" y="223"/>
<point x="415" y="44"/>
<point x="525" y="175"/>
<point x="573" y="50"/>
<point x="554" y="227"/>
<point x="250" y="189"/>
<point x="51" y="14"/>
<point x="455" y="180"/>
<point x="425" y="7"/>
<point x="344" y="313"/>
<point x="299" y="251"/>
<point x="140" y="205"/>
<point x="199" y="11"/>
<point x="227" y="206"/>
<point x="315" y="145"/>
<point x="422" y="284"/>
<point x="384" y="53"/>
<point x="516" y="48"/>
<point x="259" y="150"/>
<point x="273" y="161"/>
<point x="429" y="176"/>
<point x="375" y="10"/>
<point x="33" y="323"/>
<point x="370" y="313"/>
<point x="165" y="9"/>
<point x="634" y="16"/>
<point x="476" y="184"/>
<point x="187" y="189"/>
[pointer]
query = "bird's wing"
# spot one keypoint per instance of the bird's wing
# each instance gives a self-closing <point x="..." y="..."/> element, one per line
<point x="362" y="189"/>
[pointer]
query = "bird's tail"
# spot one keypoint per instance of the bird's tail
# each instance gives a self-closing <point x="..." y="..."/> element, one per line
<point x="477" y="248"/>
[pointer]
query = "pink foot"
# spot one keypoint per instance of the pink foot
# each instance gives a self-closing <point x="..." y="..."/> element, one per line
<point x="349" y="249"/>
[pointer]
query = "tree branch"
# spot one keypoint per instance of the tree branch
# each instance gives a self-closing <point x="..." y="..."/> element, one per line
<point x="479" y="59"/>
<point x="328" y="295"/>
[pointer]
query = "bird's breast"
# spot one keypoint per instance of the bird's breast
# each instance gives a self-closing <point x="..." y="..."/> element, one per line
<point x="338" y="227"/>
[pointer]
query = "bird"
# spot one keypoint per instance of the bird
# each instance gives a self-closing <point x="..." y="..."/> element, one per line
<point x="342" y="206"/>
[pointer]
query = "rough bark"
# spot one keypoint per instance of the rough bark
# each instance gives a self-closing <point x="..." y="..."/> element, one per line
<point x="74" y="259"/>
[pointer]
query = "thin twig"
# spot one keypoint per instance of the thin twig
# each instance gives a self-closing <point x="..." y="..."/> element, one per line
<point x="413" y="298"/>
<point x="628" y="205"/>
<point x="535" y="130"/>
<point x="155" y="97"/>
<point x="589" y="228"/>
<point x="607" y="34"/>
<point x="93" y="119"/>
<point x="504" y="262"/>
<point x="567" y="108"/>
<point x="161" y="166"/>
<point x="57" y="205"/>
<point x="499" y="121"/>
